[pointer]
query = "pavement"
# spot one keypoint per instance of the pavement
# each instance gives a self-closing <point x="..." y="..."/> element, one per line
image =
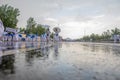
<point x="8" y="48"/>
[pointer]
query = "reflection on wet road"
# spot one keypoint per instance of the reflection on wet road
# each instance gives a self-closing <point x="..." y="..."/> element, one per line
<point x="63" y="61"/>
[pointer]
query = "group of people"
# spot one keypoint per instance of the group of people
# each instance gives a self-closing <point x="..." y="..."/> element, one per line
<point x="46" y="36"/>
<point x="16" y="36"/>
<point x="4" y="35"/>
<point x="116" y="38"/>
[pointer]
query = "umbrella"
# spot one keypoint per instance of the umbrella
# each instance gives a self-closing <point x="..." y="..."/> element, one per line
<point x="20" y="35"/>
<point x="56" y="29"/>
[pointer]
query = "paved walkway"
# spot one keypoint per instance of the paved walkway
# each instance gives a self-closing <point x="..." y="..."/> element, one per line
<point x="8" y="48"/>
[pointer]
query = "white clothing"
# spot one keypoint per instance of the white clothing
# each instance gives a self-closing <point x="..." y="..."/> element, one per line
<point x="1" y="28"/>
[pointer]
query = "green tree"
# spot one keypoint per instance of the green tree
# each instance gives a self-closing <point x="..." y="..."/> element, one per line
<point x="115" y="31"/>
<point x="22" y="30"/>
<point x="40" y="30"/>
<point x="52" y="35"/>
<point x="92" y="36"/>
<point x="9" y="15"/>
<point x="30" y="25"/>
<point x="86" y="38"/>
<point x="106" y="35"/>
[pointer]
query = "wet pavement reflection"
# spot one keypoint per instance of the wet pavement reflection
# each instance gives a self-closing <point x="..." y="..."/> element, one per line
<point x="62" y="61"/>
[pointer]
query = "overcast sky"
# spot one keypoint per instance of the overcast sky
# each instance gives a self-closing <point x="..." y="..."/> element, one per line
<point x="75" y="17"/>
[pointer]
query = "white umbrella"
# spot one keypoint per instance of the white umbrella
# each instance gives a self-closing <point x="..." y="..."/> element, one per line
<point x="56" y="29"/>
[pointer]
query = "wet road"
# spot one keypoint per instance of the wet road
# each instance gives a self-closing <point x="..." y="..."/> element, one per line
<point x="63" y="61"/>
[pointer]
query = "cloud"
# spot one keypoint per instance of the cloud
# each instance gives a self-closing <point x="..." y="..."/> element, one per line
<point x="51" y="20"/>
<point x="74" y="16"/>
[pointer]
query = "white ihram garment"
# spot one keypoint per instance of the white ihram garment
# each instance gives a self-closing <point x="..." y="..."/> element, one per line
<point x="1" y="28"/>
